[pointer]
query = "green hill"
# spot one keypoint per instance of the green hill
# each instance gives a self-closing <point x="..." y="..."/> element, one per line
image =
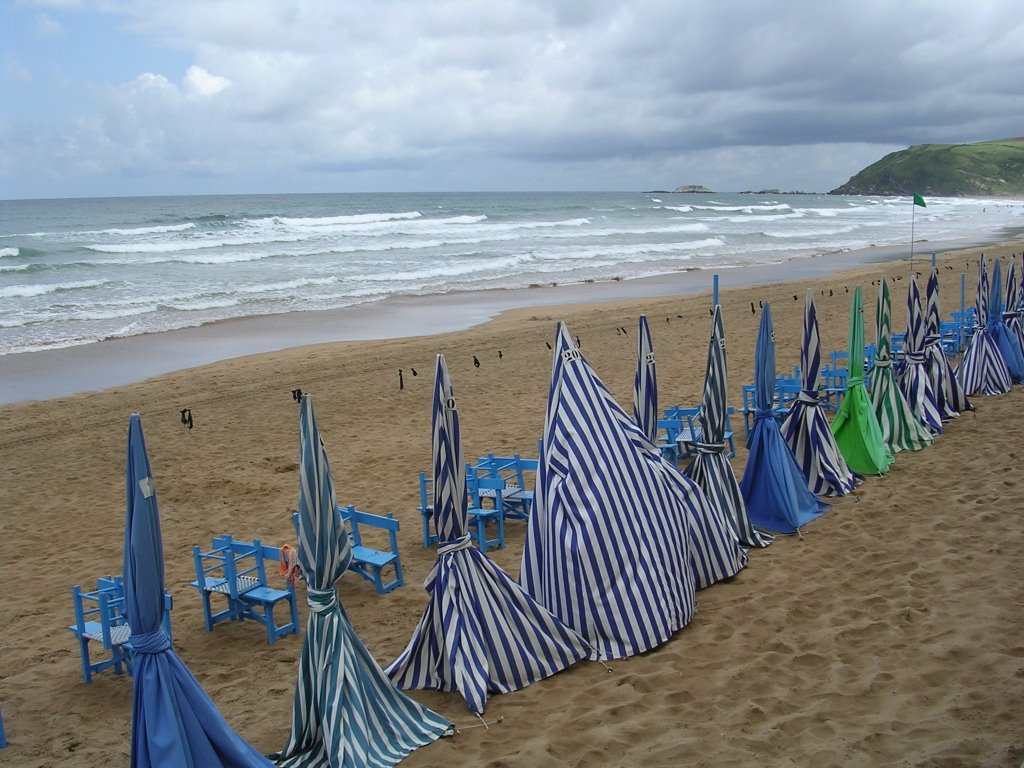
<point x="946" y="170"/>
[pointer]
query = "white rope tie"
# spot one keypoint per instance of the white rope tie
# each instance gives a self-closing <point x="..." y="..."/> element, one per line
<point x="464" y="541"/>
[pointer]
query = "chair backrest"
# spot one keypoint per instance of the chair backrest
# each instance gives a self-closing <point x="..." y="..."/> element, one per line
<point x="350" y="515"/>
<point x="523" y="466"/>
<point x="426" y="493"/>
<point x="103" y="605"/>
<point x="106" y="606"/>
<point x="671" y="427"/>
<point x="494" y="484"/>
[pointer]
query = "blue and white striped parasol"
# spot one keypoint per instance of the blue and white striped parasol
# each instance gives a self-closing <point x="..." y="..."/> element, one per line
<point x="1006" y="339"/>
<point x="710" y="468"/>
<point x="950" y="398"/>
<point x="618" y="539"/>
<point x="480" y="632"/>
<point x="913" y="379"/>
<point x="645" y="383"/>
<point x="983" y="370"/>
<point x="806" y="429"/>
<point x="1012" y="307"/>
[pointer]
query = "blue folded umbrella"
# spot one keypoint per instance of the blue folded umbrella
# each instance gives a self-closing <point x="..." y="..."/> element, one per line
<point x="174" y="722"/>
<point x="773" y="487"/>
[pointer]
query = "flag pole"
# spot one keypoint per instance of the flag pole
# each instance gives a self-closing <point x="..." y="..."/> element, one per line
<point x="916" y="200"/>
<point x="913" y="215"/>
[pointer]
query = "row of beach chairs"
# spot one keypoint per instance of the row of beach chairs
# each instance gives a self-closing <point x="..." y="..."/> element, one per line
<point x="233" y="584"/>
<point x="232" y="575"/>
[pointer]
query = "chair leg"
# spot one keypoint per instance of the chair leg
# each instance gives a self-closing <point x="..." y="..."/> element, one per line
<point x="294" y="608"/>
<point x="83" y="646"/>
<point x="268" y="617"/>
<point x="207" y="610"/>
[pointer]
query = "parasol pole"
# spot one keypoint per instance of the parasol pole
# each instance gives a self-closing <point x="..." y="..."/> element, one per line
<point x="918" y="200"/>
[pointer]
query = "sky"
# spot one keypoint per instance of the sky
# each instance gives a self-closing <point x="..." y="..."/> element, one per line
<point x="169" y="97"/>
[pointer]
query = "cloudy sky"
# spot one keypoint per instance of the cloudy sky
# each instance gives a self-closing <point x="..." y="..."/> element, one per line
<point x="142" y="97"/>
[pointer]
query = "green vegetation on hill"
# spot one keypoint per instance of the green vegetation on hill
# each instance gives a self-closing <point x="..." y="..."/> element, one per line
<point x="945" y="170"/>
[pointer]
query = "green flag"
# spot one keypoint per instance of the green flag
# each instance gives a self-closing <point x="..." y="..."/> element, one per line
<point x="918" y="200"/>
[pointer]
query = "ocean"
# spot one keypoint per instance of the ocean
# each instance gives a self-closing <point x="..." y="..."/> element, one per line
<point x="75" y="272"/>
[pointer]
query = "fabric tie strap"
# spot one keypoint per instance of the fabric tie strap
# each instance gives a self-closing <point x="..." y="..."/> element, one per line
<point x="915" y="358"/>
<point x="447" y="547"/>
<point x="761" y="414"/>
<point x="156" y="641"/>
<point x="321" y="600"/>
<point x="882" y="362"/>
<point x="709" y="448"/>
<point x="808" y="397"/>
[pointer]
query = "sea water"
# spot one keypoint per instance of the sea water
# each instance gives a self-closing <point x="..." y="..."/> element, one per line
<point x="78" y="271"/>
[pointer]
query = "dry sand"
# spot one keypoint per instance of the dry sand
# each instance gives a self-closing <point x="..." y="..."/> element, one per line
<point x="891" y="633"/>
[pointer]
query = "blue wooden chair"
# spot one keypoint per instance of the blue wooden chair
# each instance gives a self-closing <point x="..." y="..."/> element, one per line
<point x="480" y="517"/>
<point x="368" y="562"/>
<point x="3" y="733"/>
<point x="668" y="439"/>
<point x="512" y="470"/>
<point x="518" y="497"/>
<point x="426" y="509"/>
<point x="237" y="570"/>
<point x="100" y="620"/>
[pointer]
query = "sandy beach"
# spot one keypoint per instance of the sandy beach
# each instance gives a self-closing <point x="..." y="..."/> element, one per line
<point x="890" y="633"/>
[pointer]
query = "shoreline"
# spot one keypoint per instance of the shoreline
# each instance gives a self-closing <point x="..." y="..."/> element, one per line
<point x="80" y="369"/>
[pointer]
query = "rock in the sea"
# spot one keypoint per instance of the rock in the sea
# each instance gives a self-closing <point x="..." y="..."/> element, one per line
<point x="697" y="188"/>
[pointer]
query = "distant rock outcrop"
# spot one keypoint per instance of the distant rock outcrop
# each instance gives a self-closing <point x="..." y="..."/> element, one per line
<point x="694" y="188"/>
<point x="987" y="168"/>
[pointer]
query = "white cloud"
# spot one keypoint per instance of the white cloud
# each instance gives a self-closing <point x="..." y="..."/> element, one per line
<point x="200" y="83"/>
<point x="582" y="94"/>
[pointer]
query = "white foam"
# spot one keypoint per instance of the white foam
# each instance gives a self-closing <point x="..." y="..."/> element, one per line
<point x="9" y="252"/>
<point x="141" y="230"/>
<point x="40" y="289"/>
